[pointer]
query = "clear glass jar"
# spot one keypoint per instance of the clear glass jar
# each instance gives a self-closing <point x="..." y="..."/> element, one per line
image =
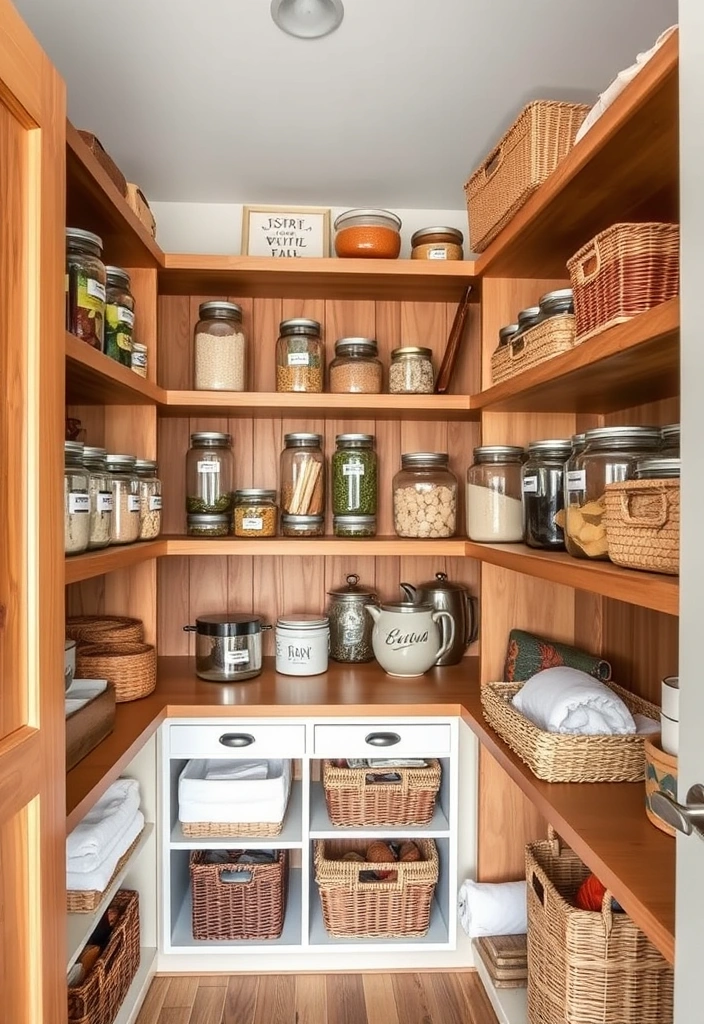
<point x="494" y="506"/>
<point x="425" y="496"/>
<point x="374" y="233"/>
<point x="219" y="348"/>
<point x="411" y="371"/>
<point x="609" y="456"/>
<point x="437" y="244"/>
<point x="354" y="526"/>
<point x="203" y="525"/>
<point x="138" y="360"/>
<point x="125" y="499"/>
<point x="670" y="441"/>
<point x="356" y="368"/>
<point x="354" y="476"/>
<point x="302" y="476"/>
<point x="119" y="316"/>
<point x="85" y="283"/>
<point x="544" y="493"/>
<point x="210" y="471"/>
<point x="302" y="526"/>
<point x="506" y="334"/>
<point x="76" y="499"/>
<point x="255" y="513"/>
<point x="149" y="499"/>
<point x="100" y="489"/>
<point x="350" y="624"/>
<point x="300" y="358"/>
<point x="555" y="303"/>
<point x="659" y="467"/>
<point x="527" y="318"/>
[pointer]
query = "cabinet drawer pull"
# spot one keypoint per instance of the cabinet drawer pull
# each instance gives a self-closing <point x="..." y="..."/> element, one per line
<point x="382" y="739"/>
<point x="236" y="739"/>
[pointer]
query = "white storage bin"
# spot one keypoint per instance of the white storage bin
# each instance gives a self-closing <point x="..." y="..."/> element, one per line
<point x="233" y="807"/>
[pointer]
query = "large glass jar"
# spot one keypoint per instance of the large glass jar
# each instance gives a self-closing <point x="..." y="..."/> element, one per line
<point x="375" y="233"/>
<point x="219" y="348"/>
<point x="354" y="475"/>
<point x="302" y="477"/>
<point x="149" y="499"/>
<point x="425" y="496"/>
<point x="670" y="441"/>
<point x="119" y="316"/>
<point x="125" y="499"/>
<point x="85" y="284"/>
<point x="494" y="507"/>
<point x="437" y="244"/>
<point x="255" y="513"/>
<point x="300" y="358"/>
<point x="356" y="368"/>
<point x="76" y="499"/>
<point x="100" y="489"/>
<point x="609" y="456"/>
<point x="544" y="492"/>
<point x="210" y="471"/>
<point x="350" y="625"/>
<point x="556" y="303"/>
<point x="411" y="371"/>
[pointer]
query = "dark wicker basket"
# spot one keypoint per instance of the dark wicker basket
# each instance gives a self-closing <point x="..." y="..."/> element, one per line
<point x="98" y="999"/>
<point x="254" y="909"/>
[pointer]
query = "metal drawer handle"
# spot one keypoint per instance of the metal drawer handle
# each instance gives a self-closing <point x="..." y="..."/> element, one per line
<point x="382" y="739"/>
<point x="236" y="739"/>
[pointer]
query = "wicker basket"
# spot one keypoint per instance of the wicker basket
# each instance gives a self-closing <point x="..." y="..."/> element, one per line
<point x="86" y="901"/>
<point x="254" y="909"/>
<point x="642" y="520"/>
<point x="528" y="153"/>
<point x="97" y="1000"/>
<point x="558" y="758"/>
<point x="660" y="777"/>
<point x="106" y="162"/>
<point x="587" y="967"/>
<point x="131" y="668"/>
<point x="139" y="205"/>
<point x="353" y="801"/>
<point x="198" y="803"/>
<point x="391" y="909"/>
<point x="545" y="340"/>
<point x="624" y="271"/>
<point x="105" y="629"/>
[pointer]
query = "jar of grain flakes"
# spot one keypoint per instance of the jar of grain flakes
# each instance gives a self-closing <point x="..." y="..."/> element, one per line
<point x="76" y="499"/>
<point x="299" y="356"/>
<point x="425" y="496"/>
<point x="85" y="287"/>
<point x="356" y="368"/>
<point x="125" y="499"/>
<point x="255" y="513"/>
<point x="149" y="499"/>
<point x="219" y="348"/>
<point x="100" y="489"/>
<point x="437" y="244"/>
<point x="411" y="371"/>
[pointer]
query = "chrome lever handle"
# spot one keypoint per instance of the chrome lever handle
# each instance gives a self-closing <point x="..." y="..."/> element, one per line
<point x="686" y="818"/>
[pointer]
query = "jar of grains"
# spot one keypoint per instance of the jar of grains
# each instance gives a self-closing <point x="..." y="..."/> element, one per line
<point x="220" y="348"/>
<point x="411" y="371"/>
<point x="85" y="284"/>
<point x="138" y="361"/>
<point x="302" y="526"/>
<point x="354" y="526"/>
<point x="125" y="498"/>
<point x="350" y="625"/>
<point x="210" y="470"/>
<point x="375" y="233"/>
<point x="356" y="368"/>
<point x="544" y="492"/>
<point x="437" y="244"/>
<point x="494" y="509"/>
<point x="354" y="475"/>
<point x="100" y="489"/>
<point x="425" y="496"/>
<point x="149" y="499"/>
<point x="204" y="525"/>
<point x="299" y="356"/>
<point x="302" y="476"/>
<point x="302" y="644"/>
<point x="255" y="513"/>
<point x="119" y="316"/>
<point x="76" y="499"/>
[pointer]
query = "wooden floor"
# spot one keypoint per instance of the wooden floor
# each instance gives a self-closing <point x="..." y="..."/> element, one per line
<point x="318" y="999"/>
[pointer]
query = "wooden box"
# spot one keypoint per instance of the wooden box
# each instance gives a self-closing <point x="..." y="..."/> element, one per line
<point x="88" y="726"/>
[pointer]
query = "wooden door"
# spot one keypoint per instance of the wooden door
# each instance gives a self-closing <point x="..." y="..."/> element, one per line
<point x="32" y="770"/>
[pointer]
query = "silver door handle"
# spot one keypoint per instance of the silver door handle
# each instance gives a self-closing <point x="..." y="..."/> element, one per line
<point x="687" y="818"/>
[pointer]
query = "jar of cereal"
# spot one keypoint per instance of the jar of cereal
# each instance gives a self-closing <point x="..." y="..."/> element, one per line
<point x="411" y="371"/>
<point x="425" y="496"/>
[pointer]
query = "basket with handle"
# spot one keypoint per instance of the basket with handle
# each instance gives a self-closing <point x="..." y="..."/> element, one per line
<point x="550" y="338"/>
<point x="353" y="800"/>
<point x="130" y="667"/>
<point x="238" y="901"/>
<point x="642" y="520"/>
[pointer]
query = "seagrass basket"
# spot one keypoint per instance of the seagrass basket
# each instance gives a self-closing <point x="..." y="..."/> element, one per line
<point x="250" y="909"/>
<point x="98" y="999"/>
<point x="642" y="520"/>
<point x="86" y="901"/>
<point x="352" y="800"/>
<point x="546" y="340"/>
<point x="104" y="629"/>
<point x="130" y="667"/>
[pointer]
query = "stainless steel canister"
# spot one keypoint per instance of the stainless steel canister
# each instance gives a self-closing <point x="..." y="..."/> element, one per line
<point x="228" y="647"/>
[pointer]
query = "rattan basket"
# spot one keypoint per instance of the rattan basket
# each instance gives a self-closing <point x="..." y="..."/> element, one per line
<point x="215" y="829"/>
<point x="558" y="758"/>
<point x="351" y="800"/>
<point x="529" y="152"/>
<point x="106" y="629"/>
<point x="86" y="901"/>
<point x="624" y="271"/>
<point x="131" y="668"/>
<point x="397" y="908"/>
<point x="587" y="967"/>
<point x="254" y="909"/>
<point x="660" y="777"/>
<point x="642" y="520"/>
<point x="97" y="1000"/>
<point x="544" y="341"/>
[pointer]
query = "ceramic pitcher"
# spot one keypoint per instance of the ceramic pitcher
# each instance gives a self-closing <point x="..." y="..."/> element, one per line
<point x="408" y="639"/>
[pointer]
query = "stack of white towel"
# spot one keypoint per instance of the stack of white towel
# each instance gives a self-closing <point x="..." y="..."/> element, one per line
<point x="105" y="834"/>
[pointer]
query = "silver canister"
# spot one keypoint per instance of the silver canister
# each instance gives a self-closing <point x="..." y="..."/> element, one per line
<point x="444" y="595"/>
<point x="228" y="647"/>
<point x="350" y="627"/>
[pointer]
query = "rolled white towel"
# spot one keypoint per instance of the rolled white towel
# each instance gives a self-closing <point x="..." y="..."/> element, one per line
<point x="566" y="700"/>
<point x="104" y="823"/>
<point x="97" y="879"/>
<point x="493" y="908"/>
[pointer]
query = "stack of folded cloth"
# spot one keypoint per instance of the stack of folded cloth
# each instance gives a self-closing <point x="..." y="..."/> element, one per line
<point x="96" y="845"/>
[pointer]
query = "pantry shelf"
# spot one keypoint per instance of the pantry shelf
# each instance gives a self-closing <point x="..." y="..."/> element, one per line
<point x="96" y="563"/>
<point x="92" y="378"/>
<point x="453" y="547"/>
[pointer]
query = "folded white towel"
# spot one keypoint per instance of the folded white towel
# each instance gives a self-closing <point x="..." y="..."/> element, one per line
<point x="566" y="700"/>
<point x="103" y="824"/>
<point x="645" y="725"/>
<point x="493" y="908"/>
<point x="221" y="771"/>
<point x="98" y="878"/>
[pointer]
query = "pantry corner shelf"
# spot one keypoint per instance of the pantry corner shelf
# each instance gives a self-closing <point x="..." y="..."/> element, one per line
<point x="92" y="378"/>
<point x="452" y="547"/>
<point x="96" y="563"/>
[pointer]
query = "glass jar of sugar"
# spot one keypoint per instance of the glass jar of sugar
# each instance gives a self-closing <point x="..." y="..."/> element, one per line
<point x="220" y="348"/>
<point x="494" y="508"/>
<point x="302" y="645"/>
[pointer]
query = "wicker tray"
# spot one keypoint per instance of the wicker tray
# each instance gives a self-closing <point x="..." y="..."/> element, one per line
<point x="544" y="341"/>
<point x="98" y="999"/>
<point x="106" y="162"/>
<point x="130" y="667"/>
<point x="254" y="909"/>
<point x="351" y="801"/>
<point x="85" y="901"/>
<point x="557" y="758"/>
<point x="642" y="520"/>
<point x="104" y="629"/>
<point x="511" y="972"/>
<point x="215" y="829"/>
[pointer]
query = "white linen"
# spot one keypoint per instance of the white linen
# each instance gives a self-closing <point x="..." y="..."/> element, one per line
<point x="493" y="908"/>
<point x="234" y="800"/>
<point x="565" y="700"/>
<point x="645" y="725"/>
<point x="220" y="771"/>
<point x="97" y="879"/>
<point x="94" y="836"/>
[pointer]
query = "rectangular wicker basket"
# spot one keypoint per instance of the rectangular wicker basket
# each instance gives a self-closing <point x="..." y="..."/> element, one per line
<point x="544" y="341"/>
<point x="352" y="801"/>
<point x="137" y="201"/>
<point x="105" y="160"/>
<point x="203" y="804"/>
<point x="642" y="520"/>
<point x="227" y="909"/>
<point x="86" y="901"/>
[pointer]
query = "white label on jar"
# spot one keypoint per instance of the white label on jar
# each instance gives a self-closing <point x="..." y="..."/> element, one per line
<point x="530" y="485"/>
<point x="125" y="316"/>
<point x="353" y="469"/>
<point x="208" y="467"/>
<point x="155" y="503"/>
<point x="95" y="289"/>
<point x="236" y="658"/>
<point x="139" y="358"/>
<point x="437" y="254"/>
<point x="352" y="635"/>
<point x="576" y="480"/>
<point x="78" y="502"/>
<point x="104" y="503"/>
<point x="252" y="523"/>
<point x="133" y="503"/>
<point x="298" y="359"/>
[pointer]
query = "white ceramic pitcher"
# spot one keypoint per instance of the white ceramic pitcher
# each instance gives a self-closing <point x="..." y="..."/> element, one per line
<point x="408" y="639"/>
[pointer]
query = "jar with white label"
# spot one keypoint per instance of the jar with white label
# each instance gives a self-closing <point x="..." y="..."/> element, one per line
<point x="302" y="475"/>
<point x="149" y="499"/>
<point x="440" y="243"/>
<point x="494" y="507"/>
<point x="85" y="287"/>
<point x="76" y="500"/>
<point x="100" y="490"/>
<point x="220" y="348"/>
<point x="210" y="470"/>
<point x="119" y="316"/>
<point x="228" y="647"/>
<point x="302" y="645"/>
<point x="354" y="476"/>
<point x="138" y="360"/>
<point x="544" y="493"/>
<point x="300" y="358"/>
<point x="125" y="499"/>
<point x="255" y="513"/>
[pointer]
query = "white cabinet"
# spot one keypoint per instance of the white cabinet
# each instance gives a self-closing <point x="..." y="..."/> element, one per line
<point x="382" y="739"/>
<point x="237" y="740"/>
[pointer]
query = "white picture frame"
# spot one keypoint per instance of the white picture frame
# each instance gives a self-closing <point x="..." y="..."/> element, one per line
<point x="281" y="232"/>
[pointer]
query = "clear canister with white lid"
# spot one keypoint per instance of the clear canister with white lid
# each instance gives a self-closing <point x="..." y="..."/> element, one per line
<point x="494" y="508"/>
<point x="302" y="645"/>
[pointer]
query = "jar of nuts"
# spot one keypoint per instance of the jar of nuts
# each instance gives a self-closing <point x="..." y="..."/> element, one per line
<point x="299" y="356"/>
<point x="411" y="371"/>
<point x="255" y="513"/>
<point x="356" y="368"/>
<point x="425" y="496"/>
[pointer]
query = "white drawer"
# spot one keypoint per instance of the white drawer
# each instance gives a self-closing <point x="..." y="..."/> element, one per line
<point x="237" y="739"/>
<point x="382" y="740"/>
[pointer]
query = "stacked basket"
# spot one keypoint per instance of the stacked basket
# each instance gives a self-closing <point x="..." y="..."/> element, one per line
<point x="112" y="647"/>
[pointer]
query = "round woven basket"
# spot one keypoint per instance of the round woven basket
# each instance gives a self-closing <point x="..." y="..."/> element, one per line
<point x="131" y="668"/>
<point x="660" y="777"/>
<point x="642" y="519"/>
<point x="104" y="629"/>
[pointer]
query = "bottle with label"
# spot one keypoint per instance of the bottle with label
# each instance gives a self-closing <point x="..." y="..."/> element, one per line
<point x="543" y="492"/>
<point x="149" y="499"/>
<point x="100" y="489"/>
<point x="354" y="475"/>
<point x="119" y="316"/>
<point x="85" y="287"/>
<point x="76" y="499"/>
<point x="125" y="499"/>
<point x="255" y="513"/>
<point x="302" y="644"/>
<point x="210" y="472"/>
<point x="300" y="358"/>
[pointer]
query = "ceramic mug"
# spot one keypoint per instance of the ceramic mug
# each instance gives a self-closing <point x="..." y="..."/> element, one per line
<point x="408" y="639"/>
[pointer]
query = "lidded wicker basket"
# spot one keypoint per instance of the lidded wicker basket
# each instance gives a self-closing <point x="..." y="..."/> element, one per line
<point x="104" y="629"/>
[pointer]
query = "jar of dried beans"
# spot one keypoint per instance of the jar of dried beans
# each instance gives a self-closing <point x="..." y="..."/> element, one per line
<point x="100" y="489"/>
<point x="149" y="499"/>
<point x="255" y="513"/>
<point x="437" y="244"/>
<point x="374" y="233"/>
<point x="210" y="470"/>
<point x="125" y="499"/>
<point x="494" y="510"/>
<point x="302" y="475"/>
<point x="354" y="475"/>
<point x="544" y="493"/>
<point x="425" y="496"/>
<point x="76" y="499"/>
<point x="119" y="316"/>
<point x="299" y="356"/>
<point x="356" y="368"/>
<point x="411" y="371"/>
<point x="220" y="348"/>
<point x="85" y="282"/>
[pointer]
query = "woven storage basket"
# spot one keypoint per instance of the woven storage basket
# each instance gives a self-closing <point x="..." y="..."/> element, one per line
<point x="139" y="205"/>
<point x="391" y="909"/>
<point x="254" y="909"/>
<point x="544" y="341"/>
<point x="106" y="162"/>
<point x="642" y="520"/>
<point x="266" y="797"/>
<point x="85" y="901"/>
<point x="353" y="801"/>
<point x="624" y="271"/>
<point x="587" y="967"/>
<point x="97" y="1000"/>
<point x="105" y="629"/>
<point x="528" y="153"/>
<point x="660" y="777"/>
<point x="131" y="668"/>
<point x="557" y="758"/>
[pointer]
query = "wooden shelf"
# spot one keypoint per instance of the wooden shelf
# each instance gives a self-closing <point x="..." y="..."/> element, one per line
<point x="629" y="364"/>
<point x="92" y="378"/>
<point x="96" y="563"/>
<point x="509" y="1004"/>
<point x="625" y="168"/>
<point x="261" y="405"/>
<point x="453" y="547"/>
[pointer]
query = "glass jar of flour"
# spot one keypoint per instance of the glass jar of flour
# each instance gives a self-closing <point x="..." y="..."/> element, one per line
<point x="220" y="348"/>
<point x="494" y="508"/>
<point x="302" y="645"/>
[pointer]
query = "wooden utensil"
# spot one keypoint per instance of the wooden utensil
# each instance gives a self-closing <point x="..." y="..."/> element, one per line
<point x="453" y="344"/>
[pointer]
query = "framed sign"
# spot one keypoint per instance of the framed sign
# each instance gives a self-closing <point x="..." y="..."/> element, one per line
<point x="285" y="233"/>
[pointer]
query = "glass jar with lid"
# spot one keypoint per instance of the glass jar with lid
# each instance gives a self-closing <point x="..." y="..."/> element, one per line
<point x="670" y="441"/>
<point x="100" y="489"/>
<point x="125" y="498"/>
<point x="556" y="303"/>
<point x="658" y="467"/>
<point x="425" y="496"/>
<point x="210" y="471"/>
<point x="437" y="244"/>
<point x="527" y="318"/>
<point x="354" y="475"/>
<point x="204" y="525"/>
<point x="609" y="456"/>
<point x="350" y="625"/>
<point x="354" y="526"/>
<point x="85" y="283"/>
<point x="506" y="334"/>
<point x="219" y="348"/>
<point x="544" y="492"/>
<point x="302" y="526"/>
<point x="119" y="316"/>
<point x="300" y="358"/>
<point x="356" y="368"/>
<point x="494" y="507"/>
<point x="255" y="513"/>
<point x="76" y="499"/>
<point x="302" y="476"/>
<point x="374" y="233"/>
<point x="149" y="499"/>
<point x="139" y="361"/>
<point x="411" y="371"/>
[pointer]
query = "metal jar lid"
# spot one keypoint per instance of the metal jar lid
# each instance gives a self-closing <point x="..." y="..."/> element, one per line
<point x="578" y="439"/>
<point x="506" y="333"/>
<point x="670" y="433"/>
<point x="627" y="436"/>
<point x="441" y="584"/>
<point x="146" y="465"/>
<point x="211" y="437"/>
<point x="528" y="316"/>
<point x="79" y="235"/>
<point x="236" y="624"/>
<point x="89" y="452"/>
<point x="117" y="462"/>
<point x="344" y="346"/>
<point x="305" y="522"/>
<point x="354" y="520"/>
<point x="498" y="453"/>
<point x="208" y="519"/>
<point x="657" y="469"/>
<point x="355" y="439"/>
<point x="73" y="448"/>
<point x="410" y="460"/>
<point x="255" y="494"/>
<point x="118" y="276"/>
<point x="411" y="350"/>
<point x="303" y="622"/>
<point x="353" y="591"/>
<point x="454" y="235"/>
<point x="299" y="325"/>
<point x="561" y="448"/>
<point x="219" y="310"/>
<point x="343" y="219"/>
<point x="302" y="439"/>
<point x="560" y="296"/>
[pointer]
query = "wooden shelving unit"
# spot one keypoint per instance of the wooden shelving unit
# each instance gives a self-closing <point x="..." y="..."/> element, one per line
<point x="106" y="560"/>
<point x="92" y="378"/>
<point x="453" y="547"/>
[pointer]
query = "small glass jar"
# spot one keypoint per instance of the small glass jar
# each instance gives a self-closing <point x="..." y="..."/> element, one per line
<point x="494" y="507"/>
<point x="373" y="233"/>
<point x="527" y="318"/>
<point x="506" y="334"/>
<point x="210" y="471"/>
<point x="354" y="526"/>
<point x="125" y="498"/>
<point x="302" y="526"/>
<point x="76" y="499"/>
<point x="356" y="368"/>
<point x="411" y="371"/>
<point x="354" y="476"/>
<point x="255" y="513"/>
<point x="149" y="499"/>
<point x="437" y="244"/>
<point x="556" y="303"/>
<point x="302" y="645"/>
<point x="100" y="489"/>
<point x="425" y="496"/>
<point x="302" y="476"/>
<point x="300" y="358"/>
<point x="670" y="441"/>
<point x="85" y="283"/>
<point x="350" y="624"/>
<point x="204" y="525"/>
<point x="119" y="316"/>
<point x="138" y="359"/>
<point x="544" y="493"/>
<point x="219" y="348"/>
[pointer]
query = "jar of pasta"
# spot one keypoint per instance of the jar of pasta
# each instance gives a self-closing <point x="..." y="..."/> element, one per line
<point x="299" y="356"/>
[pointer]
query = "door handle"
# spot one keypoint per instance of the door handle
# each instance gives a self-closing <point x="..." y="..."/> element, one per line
<point x="382" y="739"/>
<point x="236" y="739"/>
<point x="687" y="818"/>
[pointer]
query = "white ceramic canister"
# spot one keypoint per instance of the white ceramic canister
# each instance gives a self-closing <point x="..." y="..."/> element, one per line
<point x="302" y="645"/>
<point x="671" y="697"/>
<point x="408" y="639"/>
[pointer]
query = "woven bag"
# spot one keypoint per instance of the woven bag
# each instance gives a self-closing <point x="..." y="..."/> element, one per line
<point x="642" y="520"/>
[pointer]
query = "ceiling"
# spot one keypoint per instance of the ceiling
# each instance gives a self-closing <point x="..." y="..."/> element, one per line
<point x="207" y="101"/>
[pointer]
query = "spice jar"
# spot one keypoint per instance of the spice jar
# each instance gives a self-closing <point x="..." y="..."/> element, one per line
<point x="149" y="499"/>
<point x="219" y="348"/>
<point x="85" y="283"/>
<point x="411" y="371"/>
<point x="350" y="626"/>
<point x="125" y="498"/>
<point x="119" y="316"/>
<point x="437" y="244"/>
<point x="354" y="526"/>
<point x="356" y="368"/>
<point x="138" y="360"/>
<point x="302" y="644"/>
<point x="555" y="303"/>
<point x="76" y="499"/>
<point x="494" y="509"/>
<point x="527" y="318"/>
<point x="302" y="476"/>
<point x="210" y="470"/>
<point x="670" y="441"/>
<point x="100" y="491"/>
<point x="354" y="475"/>
<point x="302" y="526"/>
<point x="374" y="233"/>
<point x="544" y="492"/>
<point x="255" y="513"/>
<point x="228" y="647"/>
<point x="204" y="525"/>
<point x="425" y="496"/>
<point x="506" y="334"/>
<point x="299" y="356"/>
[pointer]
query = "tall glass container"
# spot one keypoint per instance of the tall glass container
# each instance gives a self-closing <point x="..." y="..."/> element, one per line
<point x="125" y="499"/>
<point x="494" y="508"/>
<point x="220" y="348"/>
<point x="544" y="492"/>
<point x="76" y="499"/>
<point x="149" y="499"/>
<point x="354" y="475"/>
<point x="300" y="358"/>
<point x="425" y="496"/>
<point x="119" y="316"/>
<point x="100" y="489"/>
<point x="210" y="471"/>
<point x="85" y="283"/>
<point x="302" y="476"/>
